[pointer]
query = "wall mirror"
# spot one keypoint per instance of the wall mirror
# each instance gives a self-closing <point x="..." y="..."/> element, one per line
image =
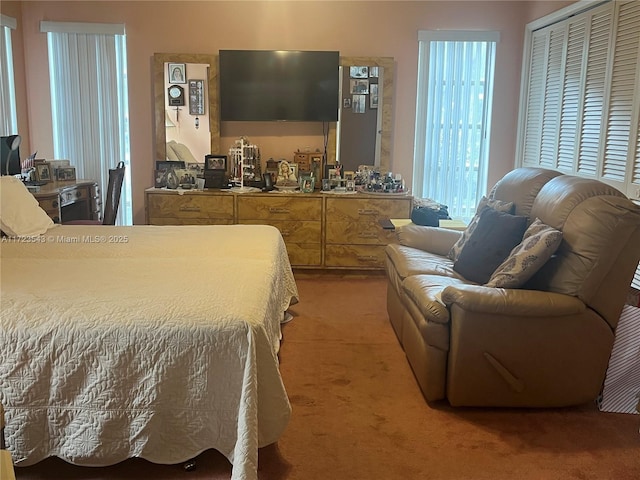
<point x="362" y="134"/>
<point x="168" y="119"/>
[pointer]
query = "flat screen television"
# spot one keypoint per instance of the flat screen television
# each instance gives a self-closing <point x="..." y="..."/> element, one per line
<point x="9" y="159"/>
<point x="279" y="85"/>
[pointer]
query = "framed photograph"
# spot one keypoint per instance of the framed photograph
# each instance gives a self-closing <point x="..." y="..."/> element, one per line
<point x="177" y="72"/>
<point x="351" y="185"/>
<point x="346" y="103"/>
<point x="307" y="183"/>
<point x="359" y="86"/>
<point x="196" y="97"/>
<point x="167" y="164"/>
<point x="358" y="72"/>
<point x="373" y="72"/>
<point x="43" y="172"/>
<point x="349" y="175"/>
<point x="196" y="167"/>
<point x="333" y="172"/>
<point x="160" y="177"/>
<point x="373" y="95"/>
<point x="65" y="174"/>
<point x="358" y="103"/>
<point x="215" y="162"/>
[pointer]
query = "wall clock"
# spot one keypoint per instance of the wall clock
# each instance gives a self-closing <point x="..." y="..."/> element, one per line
<point x="176" y="96"/>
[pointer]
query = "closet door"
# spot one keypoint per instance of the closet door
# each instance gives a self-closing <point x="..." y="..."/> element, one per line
<point x="581" y="96"/>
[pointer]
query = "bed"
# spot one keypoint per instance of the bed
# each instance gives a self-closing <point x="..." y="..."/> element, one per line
<point x="144" y="341"/>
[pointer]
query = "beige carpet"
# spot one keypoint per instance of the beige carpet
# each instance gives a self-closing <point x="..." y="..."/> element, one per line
<point x="359" y="414"/>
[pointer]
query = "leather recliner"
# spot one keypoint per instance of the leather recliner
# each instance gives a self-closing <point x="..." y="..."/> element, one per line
<point x="544" y="345"/>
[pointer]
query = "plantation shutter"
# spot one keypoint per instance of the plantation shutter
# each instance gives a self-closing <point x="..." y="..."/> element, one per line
<point x="533" y="126"/>
<point x="581" y="100"/>
<point x="594" y="87"/>
<point x="623" y="85"/>
<point x="571" y="98"/>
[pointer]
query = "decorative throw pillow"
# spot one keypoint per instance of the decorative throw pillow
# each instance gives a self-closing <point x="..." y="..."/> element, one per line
<point x="20" y="213"/>
<point x="538" y="244"/>
<point x="496" y="234"/>
<point x="497" y="205"/>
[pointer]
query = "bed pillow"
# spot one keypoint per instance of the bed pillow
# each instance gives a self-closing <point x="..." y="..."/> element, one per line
<point x="495" y="235"/>
<point x="498" y="205"/>
<point x="538" y="244"/>
<point x="183" y="153"/>
<point x="20" y="213"/>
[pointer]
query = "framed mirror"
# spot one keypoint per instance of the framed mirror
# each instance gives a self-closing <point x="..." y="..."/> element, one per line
<point x="381" y="134"/>
<point x="160" y="82"/>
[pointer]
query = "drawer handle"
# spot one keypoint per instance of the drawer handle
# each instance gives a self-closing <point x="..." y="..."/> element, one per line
<point x="365" y="211"/>
<point x="278" y="210"/>
<point x="368" y="235"/>
<point x="367" y="258"/>
<point x="189" y="209"/>
<point x="54" y="204"/>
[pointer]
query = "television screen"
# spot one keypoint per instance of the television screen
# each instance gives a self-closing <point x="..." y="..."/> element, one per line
<point x="268" y="85"/>
<point x="9" y="159"/>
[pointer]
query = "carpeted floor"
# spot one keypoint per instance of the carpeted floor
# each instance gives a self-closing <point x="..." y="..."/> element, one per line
<point x="359" y="414"/>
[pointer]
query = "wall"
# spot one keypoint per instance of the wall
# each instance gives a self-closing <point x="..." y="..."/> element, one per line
<point x="355" y="28"/>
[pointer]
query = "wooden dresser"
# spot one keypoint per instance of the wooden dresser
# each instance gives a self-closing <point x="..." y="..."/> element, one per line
<point x="330" y="231"/>
<point x="72" y="200"/>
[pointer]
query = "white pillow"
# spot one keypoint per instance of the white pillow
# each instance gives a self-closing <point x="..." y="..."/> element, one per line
<point x="20" y="213"/>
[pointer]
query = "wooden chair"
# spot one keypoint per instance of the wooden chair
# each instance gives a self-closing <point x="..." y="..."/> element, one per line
<point x="111" y="201"/>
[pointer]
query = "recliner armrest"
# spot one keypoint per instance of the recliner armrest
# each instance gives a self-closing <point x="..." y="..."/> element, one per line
<point x="430" y="239"/>
<point x="504" y="301"/>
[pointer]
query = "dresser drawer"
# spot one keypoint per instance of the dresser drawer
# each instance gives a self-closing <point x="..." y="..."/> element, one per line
<point x="51" y="205"/>
<point x="352" y="209"/>
<point x="189" y="207"/>
<point x="364" y="233"/>
<point x="279" y="208"/>
<point x="67" y="197"/>
<point x="294" y="231"/>
<point x="355" y="256"/>
<point x="189" y="221"/>
<point x="304" y="254"/>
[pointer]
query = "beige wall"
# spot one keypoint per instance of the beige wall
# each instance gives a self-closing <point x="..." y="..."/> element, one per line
<point x="357" y="28"/>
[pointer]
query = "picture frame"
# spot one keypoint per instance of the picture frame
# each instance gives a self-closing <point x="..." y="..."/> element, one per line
<point x="65" y="174"/>
<point x="215" y="162"/>
<point x="307" y="183"/>
<point x="346" y="103"/>
<point x="160" y="178"/>
<point x="349" y="175"/>
<point x="196" y="97"/>
<point x="167" y="164"/>
<point x="359" y="86"/>
<point x="43" y="172"/>
<point x="373" y="95"/>
<point x="373" y="72"/>
<point x="358" y="103"/>
<point x="358" y="72"/>
<point x="177" y="72"/>
<point x="196" y="167"/>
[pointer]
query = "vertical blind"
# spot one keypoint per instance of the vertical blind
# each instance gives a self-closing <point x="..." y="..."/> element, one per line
<point x="455" y="85"/>
<point x="8" y="116"/>
<point x="87" y="68"/>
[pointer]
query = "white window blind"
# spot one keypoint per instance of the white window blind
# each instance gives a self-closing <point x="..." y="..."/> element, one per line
<point x="8" y="114"/>
<point x="580" y="103"/>
<point x="455" y="87"/>
<point x="89" y="100"/>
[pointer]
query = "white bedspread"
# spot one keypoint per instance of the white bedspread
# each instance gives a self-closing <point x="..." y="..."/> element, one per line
<point x="144" y="341"/>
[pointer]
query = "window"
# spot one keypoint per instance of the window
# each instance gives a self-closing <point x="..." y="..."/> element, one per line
<point x="89" y="101"/>
<point x="455" y="88"/>
<point x="8" y="116"/>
